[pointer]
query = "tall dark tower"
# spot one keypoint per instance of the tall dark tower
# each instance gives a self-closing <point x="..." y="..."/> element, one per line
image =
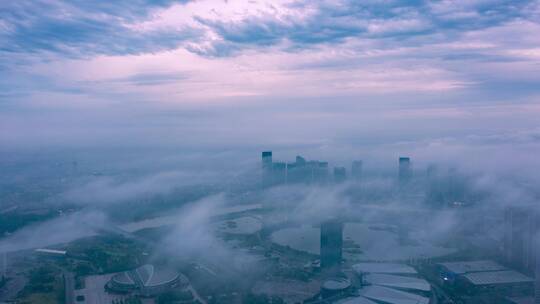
<point x="356" y="170"/>
<point x="537" y="271"/>
<point x="405" y="170"/>
<point x="267" y="167"/>
<point x="331" y="244"/>
<point x="521" y="226"/>
<point x="267" y="159"/>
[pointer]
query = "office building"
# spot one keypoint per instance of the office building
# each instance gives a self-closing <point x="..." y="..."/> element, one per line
<point x="279" y="173"/>
<point x="320" y="172"/>
<point x="521" y="225"/>
<point x="299" y="171"/>
<point x="356" y="170"/>
<point x="484" y="277"/>
<point x="267" y="159"/>
<point x="331" y="245"/>
<point x="340" y="174"/>
<point x="405" y="170"/>
<point x="266" y="177"/>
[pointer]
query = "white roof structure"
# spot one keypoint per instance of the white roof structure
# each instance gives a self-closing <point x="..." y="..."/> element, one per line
<point x="51" y="251"/>
<point x="472" y="266"/>
<point x="355" y="300"/>
<point x="520" y="300"/>
<point x="146" y="276"/>
<point x="394" y="281"/>
<point x="336" y="284"/>
<point x="388" y="268"/>
<point x="391" y="296"/>
<point x="497" y="277"/>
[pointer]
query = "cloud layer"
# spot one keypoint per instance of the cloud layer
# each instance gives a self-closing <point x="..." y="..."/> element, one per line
<point x="170" y="72"/>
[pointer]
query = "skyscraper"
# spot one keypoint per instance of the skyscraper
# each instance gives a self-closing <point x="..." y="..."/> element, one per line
<point x="340" y="174"/>
<point x="279" y="173"/>
<point x="405" y="171"/>
<point x="320" y="172"/>
<point x="356" y="170"/>
<point x="267" y="168"/>
<point x="521" y="228"/>
<point x="299" y="171"/>
<point x="537" y="271"/>
<point x="331" y="244"/>
<point x="267" y="159"/>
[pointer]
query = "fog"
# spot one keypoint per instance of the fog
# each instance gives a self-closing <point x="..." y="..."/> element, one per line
<point x="495" y="172"/>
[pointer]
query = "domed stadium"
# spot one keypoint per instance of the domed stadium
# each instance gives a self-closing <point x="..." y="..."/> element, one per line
<point x="146" y="280"/>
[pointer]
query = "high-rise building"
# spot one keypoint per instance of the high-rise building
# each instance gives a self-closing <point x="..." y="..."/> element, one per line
<point x="356" y="170"/>
<point x="331" y="244"/>
<point x="521" y="228"/>
<point x="537" y="271"/>
<point x="299" y="171"/>
<point x="3" y="275"/>
<point x="267" y="168"/>
<point x="279" y="173"/>
<point x="267" y="159"/>
<point x="340" y="174"/>
<point x="320" y="172"/>
<point x="405" y="170"/>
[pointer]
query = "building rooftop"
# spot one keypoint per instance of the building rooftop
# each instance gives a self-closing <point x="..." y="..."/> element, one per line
<point x="124" y="279"/>
<point x="472" y="266"/>
<point x="395" y="281"/>
<point x="520" y="300"/>
<point x="388" y="268"/>
<point x="391" y="296"/>
<point x="497" y="277"/>
<point x="336" y="284"/>
<point x="51" y="251"/>
<point x="355" y="300"/>
<point x="146" y="276"/>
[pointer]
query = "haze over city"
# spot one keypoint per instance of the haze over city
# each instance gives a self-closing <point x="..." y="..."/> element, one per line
<point x="291" y="151"/>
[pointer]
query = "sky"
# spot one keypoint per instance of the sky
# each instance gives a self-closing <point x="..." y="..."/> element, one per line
<point x="426" y="78"/>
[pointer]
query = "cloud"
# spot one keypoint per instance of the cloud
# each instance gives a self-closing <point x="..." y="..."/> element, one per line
<point x="78" y="29"/>
<point x="225" y="28"/>
<point x="62" y="229"/>
<point x="266" y="73"/>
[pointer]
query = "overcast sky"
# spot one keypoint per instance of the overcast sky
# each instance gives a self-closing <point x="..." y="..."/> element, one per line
<point x="265" y="74"/>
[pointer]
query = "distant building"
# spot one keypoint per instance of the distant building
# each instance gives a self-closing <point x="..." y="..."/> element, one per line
<point x="266" y="168"/>
<point x="335" y="286"/>
<point x="331" y="244"/>
<point x="384" y="268"/>
<point x="146" y="280"/>
<point x="484" y="277"/>
<point x="356" y="170"/>
<point x="52" y="253"/>
<point x="279" y="173"/>
<point x="537" y="272"/>
<point x="521" y="225"/>
<point x="405" y="170"/>
<point x="320" y="172"/>
<point x="267" y="159"/>
<point x="340" y="174"/>
<point x="392" y="283"/>
<point x="299" y="171"/>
